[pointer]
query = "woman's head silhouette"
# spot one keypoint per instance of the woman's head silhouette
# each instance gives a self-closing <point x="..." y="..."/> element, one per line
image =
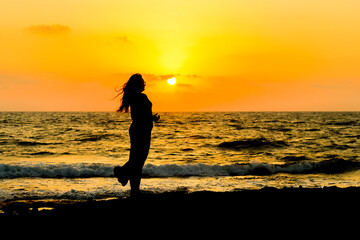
<point x="135" y="84"/>
<point x="131" y="88"/>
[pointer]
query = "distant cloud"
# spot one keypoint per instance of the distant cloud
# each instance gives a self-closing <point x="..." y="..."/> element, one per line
<point x="154" y="77"/>
<point x="192" y="76"/>
<point x="10" y="80"/>
<point x="123" y="39"/>
<point x="48" y="29"/>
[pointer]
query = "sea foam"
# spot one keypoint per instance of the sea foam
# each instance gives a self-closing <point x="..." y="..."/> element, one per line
<point x="176" y="170"/>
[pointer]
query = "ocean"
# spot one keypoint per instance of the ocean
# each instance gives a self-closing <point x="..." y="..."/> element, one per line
<point x="71" y="155"/>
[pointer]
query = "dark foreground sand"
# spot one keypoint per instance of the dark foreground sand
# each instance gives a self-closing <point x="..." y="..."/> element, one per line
<point x="182" y="212"/>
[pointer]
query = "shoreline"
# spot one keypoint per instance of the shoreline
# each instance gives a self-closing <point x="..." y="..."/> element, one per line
<point x="220" y="211"/>
<point x="48" y="207"/>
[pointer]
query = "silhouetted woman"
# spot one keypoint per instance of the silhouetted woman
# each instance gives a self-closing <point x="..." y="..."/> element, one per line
<point x="140" y="131"/>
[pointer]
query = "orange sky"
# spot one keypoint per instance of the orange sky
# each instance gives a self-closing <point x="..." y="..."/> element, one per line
<point x="228" y="55"/>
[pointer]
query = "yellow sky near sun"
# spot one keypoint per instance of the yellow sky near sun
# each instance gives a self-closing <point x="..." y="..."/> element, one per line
<point x="229" y="55"/>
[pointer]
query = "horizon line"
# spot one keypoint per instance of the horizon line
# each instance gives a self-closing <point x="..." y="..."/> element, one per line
<point x="200" y="111"/>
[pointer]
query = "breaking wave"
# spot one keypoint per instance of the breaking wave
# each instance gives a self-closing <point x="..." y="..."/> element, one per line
<point x="55" y="170"/>
<point x="332" y="166"/>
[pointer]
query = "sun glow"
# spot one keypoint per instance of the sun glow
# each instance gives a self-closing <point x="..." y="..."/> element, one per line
<point x="252" y="55"/>
<point x="171" y="81"/>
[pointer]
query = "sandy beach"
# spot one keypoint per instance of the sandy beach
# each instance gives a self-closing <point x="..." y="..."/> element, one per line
<point x="264" y="207"/>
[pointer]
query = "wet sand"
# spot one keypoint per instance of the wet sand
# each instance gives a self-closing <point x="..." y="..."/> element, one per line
<point x="187" y="211"/>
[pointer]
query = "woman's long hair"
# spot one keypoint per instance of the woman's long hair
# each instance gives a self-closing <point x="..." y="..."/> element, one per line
<point x="131" y="88"/>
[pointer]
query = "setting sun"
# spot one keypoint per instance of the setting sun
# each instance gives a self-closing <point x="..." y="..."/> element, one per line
<point x="171" y="81"/>
<point x="253" y="55"/>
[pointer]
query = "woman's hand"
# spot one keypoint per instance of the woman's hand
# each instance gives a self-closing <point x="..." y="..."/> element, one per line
<point x="156" y="117"/>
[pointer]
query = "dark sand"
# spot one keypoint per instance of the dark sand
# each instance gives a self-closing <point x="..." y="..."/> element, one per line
<point x="182" y="212"/>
